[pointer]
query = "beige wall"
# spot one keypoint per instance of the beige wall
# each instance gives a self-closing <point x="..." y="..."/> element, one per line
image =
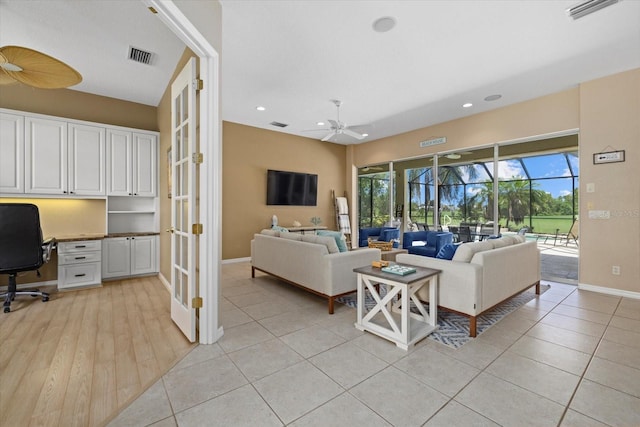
<point x="247" y="154"/>
<point x="72" y="104"/>
<point x="606" y="111"/>
<point x="610" y="120"/>
<point x="540" y="116"/>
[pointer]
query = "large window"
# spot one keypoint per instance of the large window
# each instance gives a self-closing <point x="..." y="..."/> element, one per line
<point x="537" y="191"/>
<point x="373" y="199"/>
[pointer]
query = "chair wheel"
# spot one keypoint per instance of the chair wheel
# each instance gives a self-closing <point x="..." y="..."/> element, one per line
<point x="7" y="309"/>
<point x="45" y="299"/>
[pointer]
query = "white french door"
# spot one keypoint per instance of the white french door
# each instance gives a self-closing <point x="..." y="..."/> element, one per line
<point x="183" y="209"/>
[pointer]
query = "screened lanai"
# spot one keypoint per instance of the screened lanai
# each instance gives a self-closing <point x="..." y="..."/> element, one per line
<point x="537" y="188"/>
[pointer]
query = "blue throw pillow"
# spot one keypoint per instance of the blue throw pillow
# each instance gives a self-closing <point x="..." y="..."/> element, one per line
<point x="340" y="241"/>
<point x="447" y="251"/>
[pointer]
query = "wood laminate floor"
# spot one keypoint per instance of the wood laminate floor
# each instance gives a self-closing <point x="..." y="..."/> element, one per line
<point x="80" y="358"/>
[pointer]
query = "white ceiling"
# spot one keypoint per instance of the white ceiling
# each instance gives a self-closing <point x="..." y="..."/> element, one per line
<point x="292" y="57"/>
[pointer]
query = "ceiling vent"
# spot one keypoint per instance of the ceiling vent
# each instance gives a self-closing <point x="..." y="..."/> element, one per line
<point x="278" y="124"/>
<point x="587" y="7"/>
<point x="139" y="55"/>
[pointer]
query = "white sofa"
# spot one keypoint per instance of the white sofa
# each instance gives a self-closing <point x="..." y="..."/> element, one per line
<point x="310" y="262"/>
<point x="482" y="275"/>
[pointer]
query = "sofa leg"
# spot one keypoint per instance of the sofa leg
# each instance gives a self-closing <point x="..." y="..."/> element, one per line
<point x="330" y="305"/>
<point x="538" y="287"/>
<point x="472" y="326"/>
<point x="253" y="272"/>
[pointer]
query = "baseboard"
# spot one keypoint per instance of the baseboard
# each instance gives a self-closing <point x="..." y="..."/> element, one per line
<point x="609" y="291"/>
<point x="164" y="281"/>
<point x="236" y="260"/>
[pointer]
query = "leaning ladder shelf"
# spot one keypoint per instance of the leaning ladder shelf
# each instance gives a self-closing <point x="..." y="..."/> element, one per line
<point x="343" y="222"/>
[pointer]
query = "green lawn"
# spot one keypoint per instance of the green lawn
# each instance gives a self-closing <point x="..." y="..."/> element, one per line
<point x="548" y="224"/>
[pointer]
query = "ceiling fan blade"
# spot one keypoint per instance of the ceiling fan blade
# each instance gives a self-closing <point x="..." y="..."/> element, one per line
<point x="353" y="134"/>
<point x="37" y="69"/>
<point x="315" y="130"/>
<point x="334" y="124"/>
<point x="328" y="137"/>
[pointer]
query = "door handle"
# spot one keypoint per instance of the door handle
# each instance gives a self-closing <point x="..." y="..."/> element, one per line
<point x="170" y="230"/>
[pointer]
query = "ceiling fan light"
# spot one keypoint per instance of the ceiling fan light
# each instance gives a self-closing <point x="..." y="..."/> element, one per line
<point x="8" y="66"/>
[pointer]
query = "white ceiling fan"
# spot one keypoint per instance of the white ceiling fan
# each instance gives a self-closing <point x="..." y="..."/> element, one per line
<point x="340" y="128"/>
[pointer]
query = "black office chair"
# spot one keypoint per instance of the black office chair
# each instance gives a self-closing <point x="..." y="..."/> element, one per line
<point x="21" y="247"/>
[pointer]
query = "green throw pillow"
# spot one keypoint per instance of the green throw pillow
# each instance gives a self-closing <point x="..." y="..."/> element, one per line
<point x="340" y="240"/>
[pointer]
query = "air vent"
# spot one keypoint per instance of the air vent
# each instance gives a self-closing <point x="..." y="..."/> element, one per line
<point x="139" y="55"/>
<point x="278" y="124"/>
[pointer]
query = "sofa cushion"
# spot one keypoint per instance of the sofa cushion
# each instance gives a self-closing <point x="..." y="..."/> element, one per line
<point x="501" y="242"/>
<point x="519" y="238"/>
<point x="447" y="251"/>
<point x="291" y="236"/>
<point x="268" y="232"/>
<point x="511" y="239"/>
<point x="466" y="251"/>
<point x="328" y="241"/>
<point x="338" y="236"/>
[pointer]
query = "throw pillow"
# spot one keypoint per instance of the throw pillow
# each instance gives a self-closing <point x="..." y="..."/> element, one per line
<point x="280" y="229"/>
<point x="338" y="236"/>
<point x="447" y="251"/>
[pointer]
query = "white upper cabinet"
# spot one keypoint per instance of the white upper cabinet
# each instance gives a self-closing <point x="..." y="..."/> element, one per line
<point x="145" y="165"/>
<point x="119" y="163"/>
<point x="86" y="160"/>
<point x="45" y="156"/>
<point x="132" y="160"/>
<point x="11" y="153"/>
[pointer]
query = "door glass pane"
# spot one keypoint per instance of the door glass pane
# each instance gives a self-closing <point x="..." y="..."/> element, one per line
<point x="178" y="111"/>
<point x="177" y="252"/>
<point x="185" y="100"/>
<point x="178" y="179"/>
<point x="185" y="216"/>
<point x="185" y="138"/>
<point x="178" y="136"/>
<point x="185" y="178"/>
<point x="185" y="292"/>
<point x="185" y="252"/>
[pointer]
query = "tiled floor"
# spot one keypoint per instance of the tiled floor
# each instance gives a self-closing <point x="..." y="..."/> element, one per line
<point x="567" y="358"/>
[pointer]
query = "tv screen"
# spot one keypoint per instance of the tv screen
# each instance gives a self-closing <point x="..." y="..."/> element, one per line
<point x="291" y="188"/>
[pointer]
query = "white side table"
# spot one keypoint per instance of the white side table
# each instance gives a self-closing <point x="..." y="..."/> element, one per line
<point x="391" y="318"/>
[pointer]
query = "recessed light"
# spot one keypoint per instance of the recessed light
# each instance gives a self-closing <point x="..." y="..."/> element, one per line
<point x="320" y="123"/>
<point x="493" y="97"/>
<point x="365" y="134"/>
<point x="467" y="105"/>
<point x="384" y="24"/>
<point x="260" y="108"/>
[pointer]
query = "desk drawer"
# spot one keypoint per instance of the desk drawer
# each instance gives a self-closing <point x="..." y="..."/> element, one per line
<point x="80" y="246"/>
<point x="71" y="276"/>
<point x="79" y="258"/>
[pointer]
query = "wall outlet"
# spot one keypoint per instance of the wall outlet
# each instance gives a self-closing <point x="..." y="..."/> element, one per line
<point x="615" y="270"/>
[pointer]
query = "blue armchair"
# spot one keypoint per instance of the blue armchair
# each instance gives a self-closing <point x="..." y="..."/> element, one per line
<point x="433" y="242"/>
<point x="381" y="234"/>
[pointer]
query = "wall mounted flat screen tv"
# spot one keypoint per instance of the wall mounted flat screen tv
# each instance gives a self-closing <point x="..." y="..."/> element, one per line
<point x="291" y="188"/>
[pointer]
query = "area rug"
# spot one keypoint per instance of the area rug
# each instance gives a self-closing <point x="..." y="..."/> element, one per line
<point x="453" y="329"/>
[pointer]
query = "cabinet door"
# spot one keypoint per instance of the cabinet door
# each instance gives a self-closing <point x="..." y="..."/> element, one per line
<point x="145" y="165"/>
<point x="119" y="163"/>
<point x="116" y="257"/>
<point x="86" y="160"/>
<point x="144" y="254"/>
<point x="11" y="153"/>
<point x="45" y="156"/>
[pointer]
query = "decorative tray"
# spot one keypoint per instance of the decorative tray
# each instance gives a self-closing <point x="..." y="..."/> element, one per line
<point x="400" y="270"/>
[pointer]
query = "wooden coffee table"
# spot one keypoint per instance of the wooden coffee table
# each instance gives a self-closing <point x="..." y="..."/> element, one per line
<point x="391" y="318"/>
